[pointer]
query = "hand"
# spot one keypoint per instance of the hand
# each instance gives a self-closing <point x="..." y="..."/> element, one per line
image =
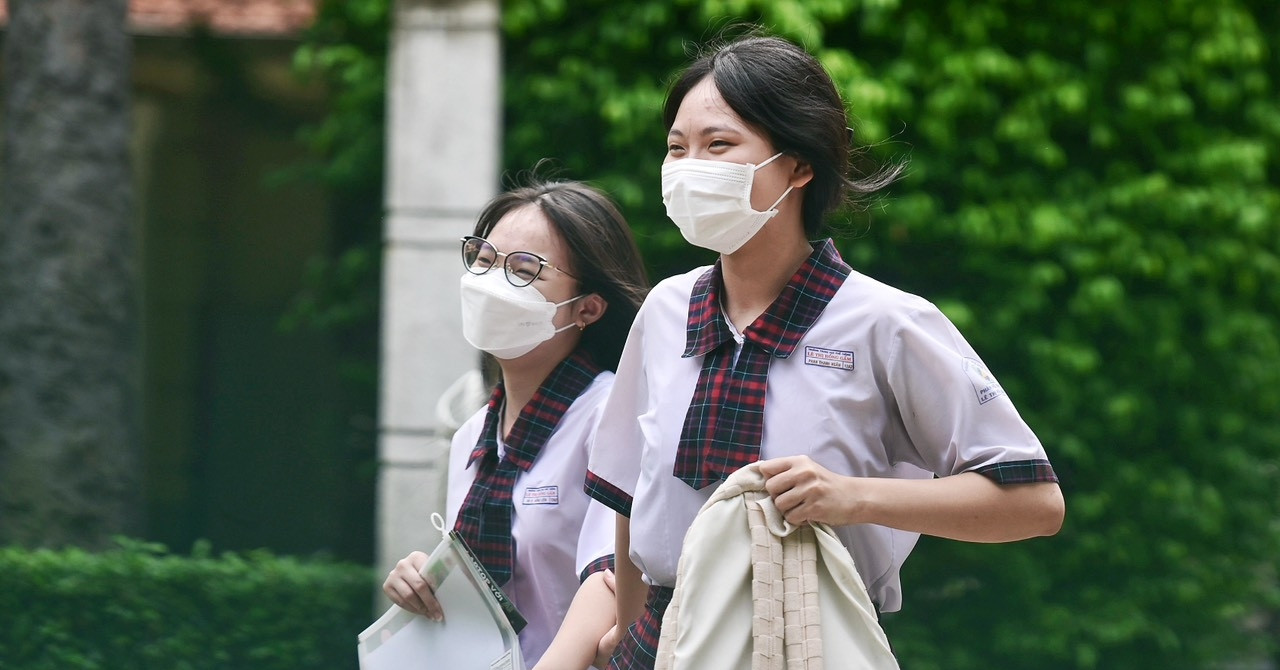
<point x="805" y="491"/>
<point x="406" y="587"/>
<point x="604" y="650"/>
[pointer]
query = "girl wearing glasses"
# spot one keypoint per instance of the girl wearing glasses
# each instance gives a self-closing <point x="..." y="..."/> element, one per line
<point x="868" y="409"/>
<point x="551" y="284"/>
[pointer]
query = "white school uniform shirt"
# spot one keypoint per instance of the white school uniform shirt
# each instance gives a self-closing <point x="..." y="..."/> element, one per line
<point x="559" y="531"/>
<point x="881" y="385"/>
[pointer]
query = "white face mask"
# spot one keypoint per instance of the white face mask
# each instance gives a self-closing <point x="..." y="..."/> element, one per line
<point x="710" y="201"/>
<point x="504" y="320"/>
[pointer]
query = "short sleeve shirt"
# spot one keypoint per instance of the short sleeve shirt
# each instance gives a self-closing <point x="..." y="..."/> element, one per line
<point x="560" y="533"/>
<point x="881" y="385"/>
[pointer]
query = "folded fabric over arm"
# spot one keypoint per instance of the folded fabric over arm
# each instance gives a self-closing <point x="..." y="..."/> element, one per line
<point x="754" y="590"/>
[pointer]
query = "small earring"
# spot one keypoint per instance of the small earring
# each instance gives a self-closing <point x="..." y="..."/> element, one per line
<point x="581" y="326"/>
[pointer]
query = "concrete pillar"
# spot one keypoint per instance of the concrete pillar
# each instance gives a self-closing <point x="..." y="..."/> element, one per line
<point x="443" y="147"/>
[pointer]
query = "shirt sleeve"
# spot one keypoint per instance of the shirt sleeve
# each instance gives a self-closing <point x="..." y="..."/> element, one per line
<point x="956" y="414"/>
<point x="613" y="469"/>
<point x="595" y="540"/>
<point x="458" y="478"/>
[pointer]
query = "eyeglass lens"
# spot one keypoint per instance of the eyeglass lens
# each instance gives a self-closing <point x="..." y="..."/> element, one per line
<point x="479" y="256"/>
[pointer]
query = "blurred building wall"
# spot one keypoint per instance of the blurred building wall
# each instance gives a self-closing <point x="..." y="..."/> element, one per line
<point x="443" y="144"/>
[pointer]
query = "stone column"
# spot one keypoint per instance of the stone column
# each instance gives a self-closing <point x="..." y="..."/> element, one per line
<point x="443" y="144"/>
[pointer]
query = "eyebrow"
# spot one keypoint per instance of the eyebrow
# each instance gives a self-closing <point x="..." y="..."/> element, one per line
<point x="709" y="130"/>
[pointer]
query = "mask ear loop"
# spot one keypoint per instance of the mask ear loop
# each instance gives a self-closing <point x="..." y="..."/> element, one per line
<point x="780" y="199"/>
<point x="784" y="193"/>
<point x="561" y="304"/>
<point x="767" y="161"/>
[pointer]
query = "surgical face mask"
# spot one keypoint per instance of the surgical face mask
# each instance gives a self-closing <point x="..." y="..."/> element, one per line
<point x="504" y="320"/>
<point x="710" y="201"/>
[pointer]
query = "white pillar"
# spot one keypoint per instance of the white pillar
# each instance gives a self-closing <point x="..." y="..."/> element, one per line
<point x="443" y="144"/>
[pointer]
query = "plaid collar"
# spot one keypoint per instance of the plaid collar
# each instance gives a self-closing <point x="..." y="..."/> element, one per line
<point x="780" y="328"/>
<point x="539" y="418"/>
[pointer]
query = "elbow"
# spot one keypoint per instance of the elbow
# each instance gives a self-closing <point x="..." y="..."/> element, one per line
<point x="1052" y="510"/>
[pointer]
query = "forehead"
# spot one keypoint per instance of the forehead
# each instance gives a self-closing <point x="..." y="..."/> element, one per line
<point x="526" y="228"/>
<point x="703" y="107"/>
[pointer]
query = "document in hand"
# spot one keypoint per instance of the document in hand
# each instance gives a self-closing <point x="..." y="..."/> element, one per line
<point x="479" y="629"/>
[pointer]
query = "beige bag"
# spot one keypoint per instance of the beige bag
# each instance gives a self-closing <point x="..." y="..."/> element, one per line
<point x="754" y="591"/>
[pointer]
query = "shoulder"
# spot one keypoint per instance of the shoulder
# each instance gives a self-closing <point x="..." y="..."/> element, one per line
<point x="597" y="392"/>
<point x="889" y="308"/>
<point x="673" y="292"/>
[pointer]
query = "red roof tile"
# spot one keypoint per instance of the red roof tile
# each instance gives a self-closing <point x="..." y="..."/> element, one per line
<point x="264" y="18"/>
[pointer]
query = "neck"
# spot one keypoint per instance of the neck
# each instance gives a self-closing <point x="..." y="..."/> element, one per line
<point x="521" y="378"/>
<point x="755" y="274"/>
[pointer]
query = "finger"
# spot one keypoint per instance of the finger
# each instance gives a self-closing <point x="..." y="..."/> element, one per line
<point x="410" y="590"/>
<point x="796" y="514"/>
<point x="779" y="484"/>
<point x="423" y="596"/>
<point x="774" y="466"/>
<point x="610" y="581"/>
<point x="431" y="607"/>
<point x="402" y="594"/>
<point x="787" y="501"/>
<point x="604" y="649"/>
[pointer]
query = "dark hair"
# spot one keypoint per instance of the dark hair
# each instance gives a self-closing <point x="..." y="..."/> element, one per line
<point x="778" y="88"/>
<point x="604" y="254"/>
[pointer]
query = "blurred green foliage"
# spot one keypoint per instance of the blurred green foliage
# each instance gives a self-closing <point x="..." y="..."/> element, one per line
<point x="1092" y="198"/>
<point x="141" y="607"/>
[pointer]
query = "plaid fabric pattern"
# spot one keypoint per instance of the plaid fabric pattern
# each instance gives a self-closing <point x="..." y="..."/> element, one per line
<point x="1020" y="472"/>
<point x="611" y="496"/>
<point x="724" y="425"/>
<point x="638" y="649"/>
<point x="484" y="520"/>
<point x="599" y="565"/>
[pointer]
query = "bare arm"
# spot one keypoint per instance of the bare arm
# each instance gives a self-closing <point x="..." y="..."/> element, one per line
<point x="590" y="617"/>
<point x="631" y="589"/>
<point x="966" y="506"/>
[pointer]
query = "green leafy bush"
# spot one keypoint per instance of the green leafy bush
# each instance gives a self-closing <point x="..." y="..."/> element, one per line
<point x="1093" y="199"/>
<point x="142" y="607"/>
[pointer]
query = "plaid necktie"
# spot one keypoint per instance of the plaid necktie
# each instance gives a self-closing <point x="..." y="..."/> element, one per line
<point x="724" y="426"/>
<point x="484" y="519"/>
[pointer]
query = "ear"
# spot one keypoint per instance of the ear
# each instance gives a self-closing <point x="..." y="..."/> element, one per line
<point x="801" y="174"/>
<point x="589" y="309"/>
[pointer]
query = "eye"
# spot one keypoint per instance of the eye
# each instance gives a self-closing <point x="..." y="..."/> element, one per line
<point x="524" y="266"/>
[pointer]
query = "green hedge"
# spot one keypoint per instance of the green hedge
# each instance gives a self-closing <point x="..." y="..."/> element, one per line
<point x="141" y="607"/>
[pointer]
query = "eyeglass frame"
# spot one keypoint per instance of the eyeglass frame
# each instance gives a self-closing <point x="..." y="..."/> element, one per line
<point x="506" y="259"/>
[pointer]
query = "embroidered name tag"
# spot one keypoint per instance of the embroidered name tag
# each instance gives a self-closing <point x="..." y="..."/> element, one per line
<point x="828" y="358"/>
<point x="542" y="495"/>
<point x="984" y="385"/>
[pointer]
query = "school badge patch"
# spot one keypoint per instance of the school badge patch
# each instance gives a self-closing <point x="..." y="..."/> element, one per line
<point x="984" y="385"/>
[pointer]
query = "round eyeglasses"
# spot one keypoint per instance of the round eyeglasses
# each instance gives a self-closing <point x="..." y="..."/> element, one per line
<point x="520" y="267"/>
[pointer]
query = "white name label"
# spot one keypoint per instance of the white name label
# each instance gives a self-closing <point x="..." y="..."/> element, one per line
<point x="828" y="358"/>
<point x="542" y="495"/>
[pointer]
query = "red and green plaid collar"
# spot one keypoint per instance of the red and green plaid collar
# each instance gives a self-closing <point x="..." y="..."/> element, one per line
<point x="540" y="417"/>
<point x="779" y="329"/>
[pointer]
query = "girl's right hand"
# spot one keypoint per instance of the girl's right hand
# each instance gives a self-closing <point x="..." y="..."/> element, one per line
<point x="406" y="587"/>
